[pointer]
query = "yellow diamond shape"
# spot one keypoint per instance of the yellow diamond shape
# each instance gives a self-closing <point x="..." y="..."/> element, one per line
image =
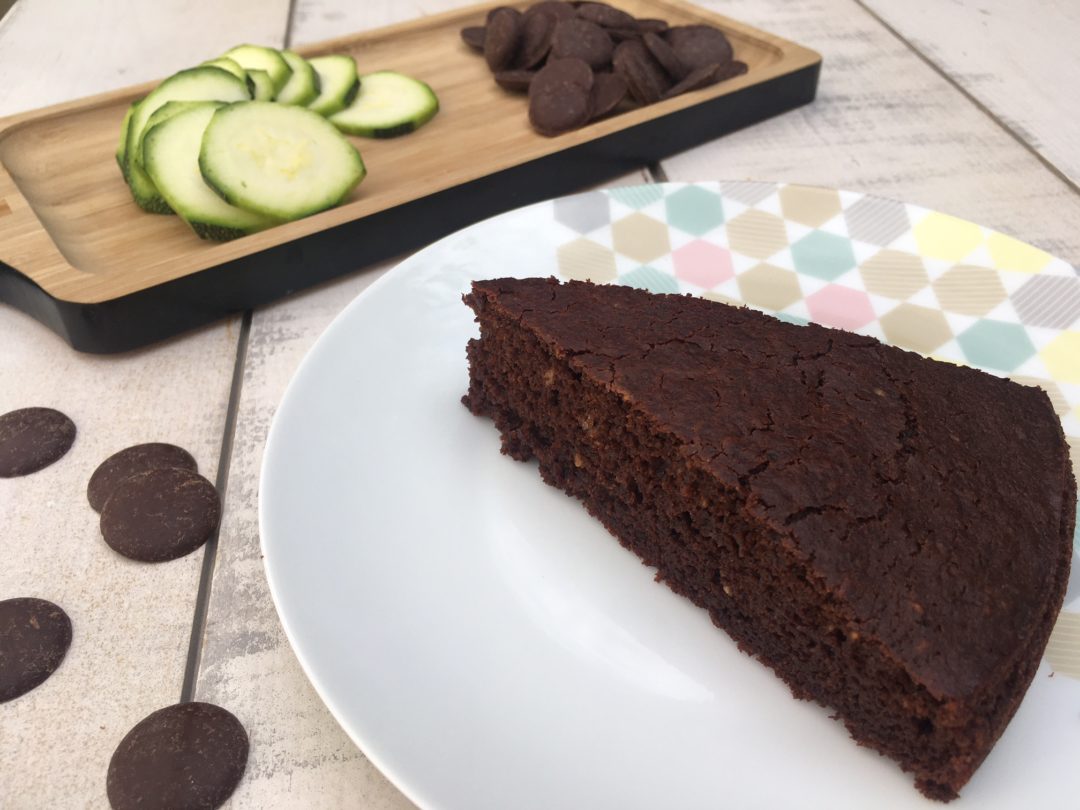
<point x="584" y="260"/>
<point x="1062" y="357"/>
<point x="1012" y="254"/>
<point x="640" y="237"/>
<point x="941" y="236"/>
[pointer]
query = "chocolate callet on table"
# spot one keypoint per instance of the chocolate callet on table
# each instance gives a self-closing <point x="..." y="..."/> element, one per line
<point x="581" y="39"/>
<point x="665" y="55"/>
<point x="189" y="756"/>
<point x="645" y="78"/>
<point x="516" y="81"/>
<point x="123" y="464"/>
<point x="32" y="439"/>
<point x="536" y="35"/>
<point x="34" y="638"/>
<point x="160" y="515"/>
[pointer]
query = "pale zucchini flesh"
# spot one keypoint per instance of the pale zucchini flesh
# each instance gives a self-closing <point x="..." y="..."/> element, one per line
<point x="263" y="85"/>
<point x="303" y="85"/>
<point x="388" y="104"/>
<point x="281" y="161"/>
<point x="121" y="149"/>
<point x="171" y="157"/>
<point x="195" y="84"/>
<point x="338" y="83"/>
<point x="259" y="57"/>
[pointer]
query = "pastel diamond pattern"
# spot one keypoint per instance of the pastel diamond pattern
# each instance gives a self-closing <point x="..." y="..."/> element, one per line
<point x="584" y="212"/>
<point x="808" y="205"/>
<point x="694" y="210"/>
<point x="941" y="236"/>
<point x="651" y="279"/>
<point x="640" y="237"/>
<point x="996" y="344"/>
<point x="969" y="290"/>
<point x="823" y="255"/>
<point x="924" y="281"/>
<point x="703" y="263"/>
<point x="841" y="307"/>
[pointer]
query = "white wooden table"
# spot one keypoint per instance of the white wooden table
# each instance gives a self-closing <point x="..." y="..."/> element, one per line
<point x="966" y="106"/>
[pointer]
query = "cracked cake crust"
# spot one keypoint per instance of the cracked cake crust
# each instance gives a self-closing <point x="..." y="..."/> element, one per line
<point x="890" y="534"/>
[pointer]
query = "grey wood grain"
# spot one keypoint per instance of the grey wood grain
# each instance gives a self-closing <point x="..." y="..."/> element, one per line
<point x="885" y="122"/>
<point x="1014" y="58"/>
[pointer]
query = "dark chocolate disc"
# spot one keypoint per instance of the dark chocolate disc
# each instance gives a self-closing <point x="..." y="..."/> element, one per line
<point x="160" y="515"/>
<point x="605" y="15"/>
<point x="122" y="465"/>
<point x="699" y="45"/>
<point x="645" y="79"/>
<point x="536" y="33"/>
<point x="559" y="96"/>
<point x="33" y="438"/>
<point x="516" y="81"/>
<point x="502" y="37"/>
<point x="729" y="70"/>
<point x="607" y="91"/>
<point x="647" y="24"/>
<point x="553" y="8"/>
<point x="695" y="79"/>
<point x="184" y="757"/>
<point x="666" y="56"/>
<point x="622" y="34"/>
<point x="34" y="637"/>
<point x="581" y="39"/>
<point x="473" y="36"/>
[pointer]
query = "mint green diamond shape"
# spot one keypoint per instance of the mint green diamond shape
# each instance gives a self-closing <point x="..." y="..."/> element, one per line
<point x="694" y="210"/>
<point x="651" y="279"/>
<point x="823" y="255"/>
<point x="996" y="344"/>
<point x="637" y="196"/>
<point x="788" y="318"/>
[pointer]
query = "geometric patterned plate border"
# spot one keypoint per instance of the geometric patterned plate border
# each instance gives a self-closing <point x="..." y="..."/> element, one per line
<point x="915" y="278"/>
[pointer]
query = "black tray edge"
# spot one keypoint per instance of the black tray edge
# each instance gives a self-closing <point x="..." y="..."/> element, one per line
<point x="159" y="312"/>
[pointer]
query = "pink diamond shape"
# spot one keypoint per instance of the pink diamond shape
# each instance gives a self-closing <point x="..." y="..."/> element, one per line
<point x="841" y="307"/>
<point x="703" y="263"/>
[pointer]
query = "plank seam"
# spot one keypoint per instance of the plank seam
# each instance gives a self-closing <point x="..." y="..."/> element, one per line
<point x="1012" y="133"/>
<point x="209" y="561"/>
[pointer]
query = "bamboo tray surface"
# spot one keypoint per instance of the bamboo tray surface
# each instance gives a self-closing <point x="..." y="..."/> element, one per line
<point x="68" y="223"/>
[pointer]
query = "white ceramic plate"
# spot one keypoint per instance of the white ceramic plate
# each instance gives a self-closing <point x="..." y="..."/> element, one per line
<point x="482" y="639"/>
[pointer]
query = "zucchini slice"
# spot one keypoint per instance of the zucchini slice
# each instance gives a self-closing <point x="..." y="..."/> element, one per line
<point x="195" y="84"/>
<point x="277" y="160"/>
<point x="258" y="57"/>
<point x="338" y="83"/>
<point x="303" y="85"/>
<point x="264" y="86"/>
<point x="121" y="149"/>
<point x="171" y="157"/>
<point x="388" y="104"/>
<point x="225" y="63"/>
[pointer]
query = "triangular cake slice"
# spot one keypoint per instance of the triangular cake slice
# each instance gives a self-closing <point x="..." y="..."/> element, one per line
<point x="890" y="534"/>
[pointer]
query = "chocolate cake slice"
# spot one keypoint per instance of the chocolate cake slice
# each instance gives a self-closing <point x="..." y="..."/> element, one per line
<point x="889" y="533"/>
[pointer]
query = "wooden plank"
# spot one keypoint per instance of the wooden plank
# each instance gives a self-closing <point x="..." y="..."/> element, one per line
<point x="299" y="755"/>
<point x="65" y="187"/>
<point x="885" y="122"/>
<point x="1017" y="59"/>
<point x="131" y="622"/>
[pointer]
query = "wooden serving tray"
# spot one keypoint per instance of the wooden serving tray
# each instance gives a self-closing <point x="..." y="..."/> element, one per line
<point x="80" y="256"/>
